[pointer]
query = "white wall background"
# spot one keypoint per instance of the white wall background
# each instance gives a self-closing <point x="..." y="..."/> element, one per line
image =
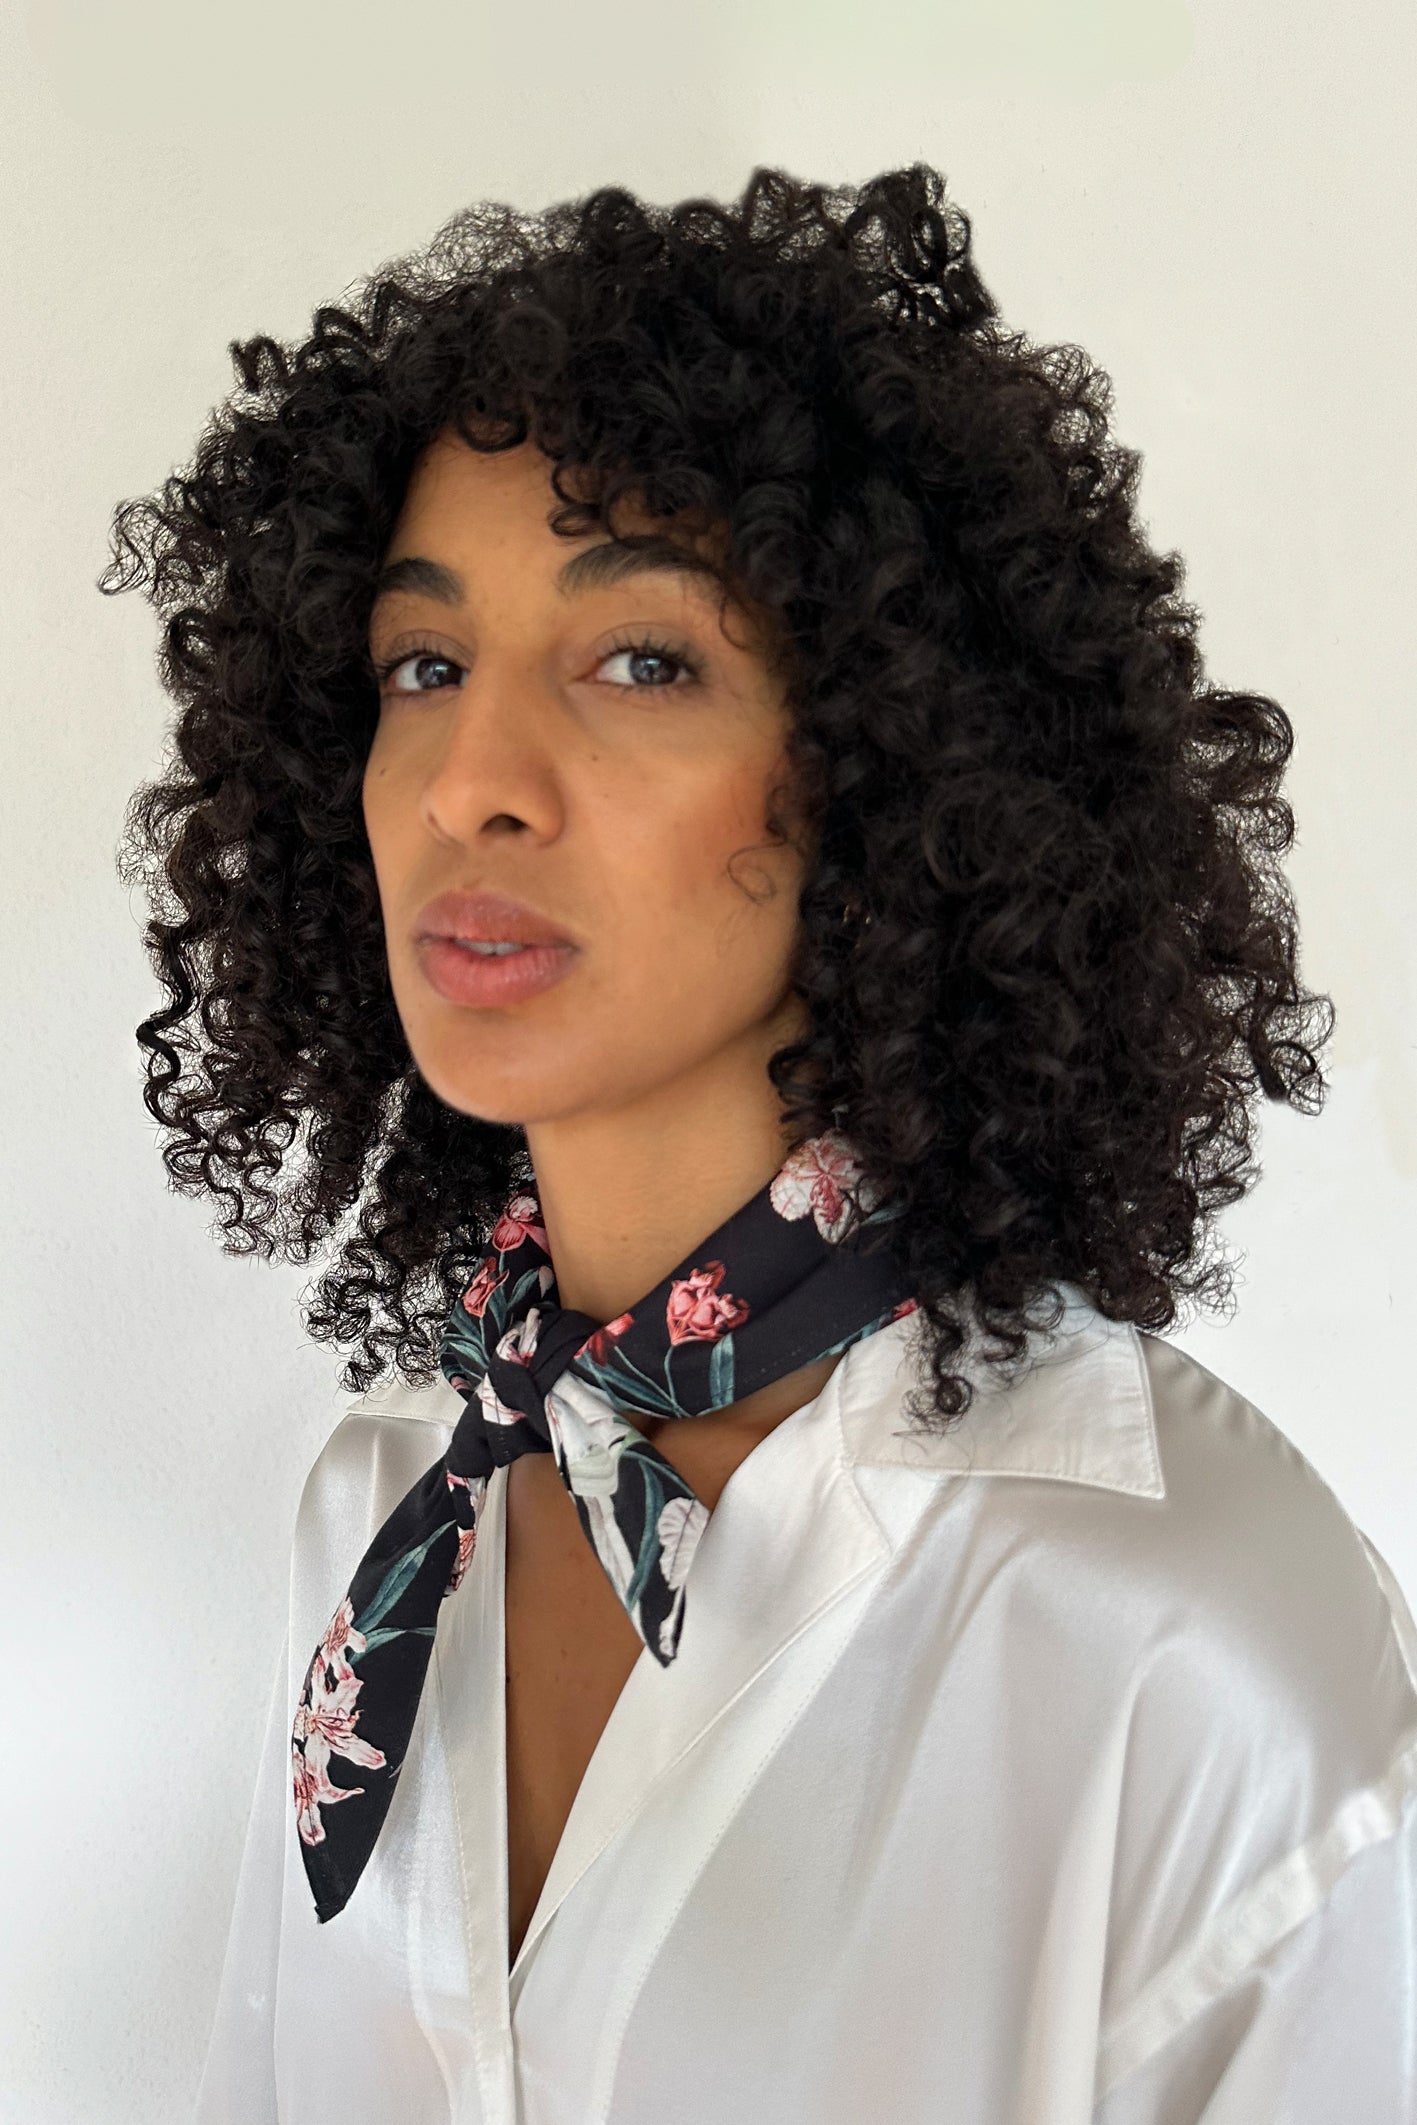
<point x="1216" y="201"/>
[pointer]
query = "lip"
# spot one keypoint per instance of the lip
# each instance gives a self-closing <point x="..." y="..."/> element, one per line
<point x="492" y="917"/>
<point x="477" y="982"/>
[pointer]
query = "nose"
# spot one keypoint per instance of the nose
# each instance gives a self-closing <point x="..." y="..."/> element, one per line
<point x="495" y="764"/>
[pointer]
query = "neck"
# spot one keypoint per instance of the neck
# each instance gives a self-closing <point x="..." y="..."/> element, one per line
<point x="707" y="1451"/>
<point x="623" y="1203"/>
<point x="626" y="1193"/>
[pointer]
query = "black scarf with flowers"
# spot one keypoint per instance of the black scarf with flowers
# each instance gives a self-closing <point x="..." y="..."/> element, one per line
<point x="773" y="1288"/>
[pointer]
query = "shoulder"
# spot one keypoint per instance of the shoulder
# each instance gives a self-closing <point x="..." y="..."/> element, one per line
<point x="1267" y="1726"/>
<point x="390" y="1432"/>
<point x="1224" y="1622"/>
<point x="1271" y="1586"/>
<point x="381" y="1445"/>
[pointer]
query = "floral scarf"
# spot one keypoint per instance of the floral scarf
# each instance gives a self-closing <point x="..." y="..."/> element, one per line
<point x="771" y="1289"/>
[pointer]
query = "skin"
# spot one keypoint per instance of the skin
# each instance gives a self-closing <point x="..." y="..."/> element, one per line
<point x="526" y="750"/>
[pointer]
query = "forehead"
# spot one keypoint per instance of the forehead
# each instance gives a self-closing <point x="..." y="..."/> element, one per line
<point x="450" y="474"/>
<point x="504" y="492"/>
<point x="468" y="512"/>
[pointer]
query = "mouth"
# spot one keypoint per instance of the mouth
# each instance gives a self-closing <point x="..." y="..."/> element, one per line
<point x="481" y="949"/>
<point x="487" y="921"/>
<point x="479" y="975"/>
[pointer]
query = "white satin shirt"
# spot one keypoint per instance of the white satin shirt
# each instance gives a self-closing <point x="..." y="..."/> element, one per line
<point x="1057" y="1771"/>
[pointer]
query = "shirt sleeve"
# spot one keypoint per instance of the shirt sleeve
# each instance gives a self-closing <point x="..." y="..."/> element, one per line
<point x="1295" y="2003"/>
<point x="238" y="2084"/>
<point x="1318" y="2029"/>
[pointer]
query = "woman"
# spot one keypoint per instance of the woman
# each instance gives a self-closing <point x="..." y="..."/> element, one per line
<point x="696" y="801"/>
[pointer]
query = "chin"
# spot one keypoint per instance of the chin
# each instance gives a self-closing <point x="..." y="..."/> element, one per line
<point x="484" y="1095"/>
<point x="461" y="1070"/>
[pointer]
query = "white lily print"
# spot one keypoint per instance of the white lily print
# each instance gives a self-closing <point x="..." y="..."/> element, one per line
<point x="324" y="1727"/>
<point x="589" y="1437"/>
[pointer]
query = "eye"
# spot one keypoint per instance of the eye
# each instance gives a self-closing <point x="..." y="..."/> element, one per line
<point x="421" y="658"/>
<point x="659" y="655"/>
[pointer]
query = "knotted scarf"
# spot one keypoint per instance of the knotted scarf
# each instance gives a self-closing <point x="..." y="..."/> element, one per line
<point x="773" y="1288"/>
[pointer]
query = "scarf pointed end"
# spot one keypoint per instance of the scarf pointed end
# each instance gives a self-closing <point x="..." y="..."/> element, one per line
<point x="328" y="1907"/>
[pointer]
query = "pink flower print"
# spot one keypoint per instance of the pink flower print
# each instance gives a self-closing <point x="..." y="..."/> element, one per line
<point x="698" y="1312"/>
<point x="906" y="1306"/>
<point x="467" y="1542"/>
<point x="460" y="1482"/>
<point x="325" y="1723"/>
<point x="521" y="1220"/>
<point x="313" y="1790"/>
<point x="480" y="1290"/>
<point x="821" y="1176"/>
<point x="597" y="1347"/>
<point x="341" y="1638"/>
<point x="324" y="1727"/>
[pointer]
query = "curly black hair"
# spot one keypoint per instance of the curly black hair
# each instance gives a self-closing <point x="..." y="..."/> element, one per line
<point x="1080" y="958"/>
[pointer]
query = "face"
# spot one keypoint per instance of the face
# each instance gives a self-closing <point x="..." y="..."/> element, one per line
<point x="599" y="752"/>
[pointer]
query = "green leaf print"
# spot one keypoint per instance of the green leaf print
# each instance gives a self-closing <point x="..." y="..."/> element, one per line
<point x="524" y="1283"/>
<point x="721" y="1372"/>
<point x="397" y="1579"/>
<point x="382" y="1637"/>
<point x="621" y="1368"/>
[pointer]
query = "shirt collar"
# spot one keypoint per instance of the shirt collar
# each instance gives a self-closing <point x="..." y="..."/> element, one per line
<point x="1081" y="1412"/>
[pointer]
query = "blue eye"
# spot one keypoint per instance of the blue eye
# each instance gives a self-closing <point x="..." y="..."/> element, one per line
<point x="386" y="671"/>
<point x="644" y="650"/>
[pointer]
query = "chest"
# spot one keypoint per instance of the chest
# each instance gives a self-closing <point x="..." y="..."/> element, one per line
<point x="569" y="1650"/>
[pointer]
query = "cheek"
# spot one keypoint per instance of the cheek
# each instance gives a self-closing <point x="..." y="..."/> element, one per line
<point x="381" y="802"/>
<point x="688" y="844"/>
<point x="699" y="886"/>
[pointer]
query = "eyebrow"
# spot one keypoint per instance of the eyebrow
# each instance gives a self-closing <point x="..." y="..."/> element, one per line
<point x="599" y="567"/>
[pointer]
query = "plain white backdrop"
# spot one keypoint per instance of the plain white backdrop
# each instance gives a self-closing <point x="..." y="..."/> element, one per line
<point x="1215" y="200"/>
